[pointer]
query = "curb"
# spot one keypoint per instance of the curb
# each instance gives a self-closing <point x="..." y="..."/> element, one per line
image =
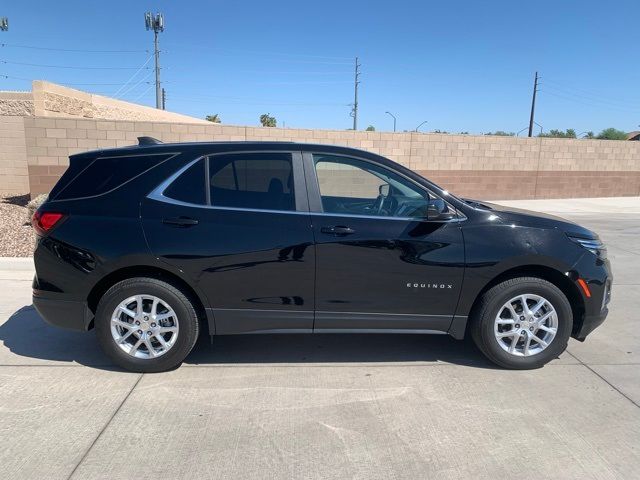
<point x="16" y="264"/>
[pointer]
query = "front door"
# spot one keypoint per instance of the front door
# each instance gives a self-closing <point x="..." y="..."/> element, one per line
<point x="237" y="225"/>
<point x="381" y="265"/>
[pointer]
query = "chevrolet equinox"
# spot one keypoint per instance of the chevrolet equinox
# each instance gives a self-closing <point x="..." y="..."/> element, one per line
<point x="154" y="243"/>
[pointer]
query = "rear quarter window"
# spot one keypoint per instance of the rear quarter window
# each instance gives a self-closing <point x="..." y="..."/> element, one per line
<point x="105" y="174"/>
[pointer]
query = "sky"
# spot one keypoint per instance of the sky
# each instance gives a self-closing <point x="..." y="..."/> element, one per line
<point x="461" y="66"/>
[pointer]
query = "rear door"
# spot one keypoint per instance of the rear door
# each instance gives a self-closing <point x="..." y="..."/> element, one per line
<point x="237" y="224"/>
<point x="381" y="264"/>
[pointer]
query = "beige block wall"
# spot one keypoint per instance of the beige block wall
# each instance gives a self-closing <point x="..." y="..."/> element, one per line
<point x="485" y="167"/>
<point x="13" y="156"/>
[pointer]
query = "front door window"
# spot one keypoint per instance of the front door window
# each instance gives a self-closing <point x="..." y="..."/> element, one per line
<point x="354" y="187"/>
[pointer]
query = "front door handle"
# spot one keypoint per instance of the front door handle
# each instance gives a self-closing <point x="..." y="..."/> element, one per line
<point x="338" y="230"/>
<point x="180" y="221"/>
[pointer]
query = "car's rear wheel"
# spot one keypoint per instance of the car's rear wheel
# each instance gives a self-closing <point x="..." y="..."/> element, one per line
<point x="522" y="323"/>
<point x="146" y="325"/>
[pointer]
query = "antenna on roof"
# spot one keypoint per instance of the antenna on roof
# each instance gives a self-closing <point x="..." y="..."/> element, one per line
<point x="148" y="141"/>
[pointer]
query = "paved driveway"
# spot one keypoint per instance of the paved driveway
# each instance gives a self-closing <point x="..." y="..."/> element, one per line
<point x="328" y="406"/>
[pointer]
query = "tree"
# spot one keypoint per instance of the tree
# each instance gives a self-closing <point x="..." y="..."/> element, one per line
<point x="611" y="134"/>
<point x="267" y="120"/>
<point x="501" y="133"/>
<point x="370" y="128"/>
<point x="215" y="118"/>
<point x="589" y="135"/>
<point x="569" y="133"/>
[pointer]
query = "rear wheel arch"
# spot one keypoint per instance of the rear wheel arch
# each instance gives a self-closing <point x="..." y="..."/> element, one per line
<point x="557" y="278"/>
<point x="100" y="288"/>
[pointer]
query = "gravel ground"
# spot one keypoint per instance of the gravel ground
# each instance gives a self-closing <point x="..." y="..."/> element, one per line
<point x="16" y="235"/>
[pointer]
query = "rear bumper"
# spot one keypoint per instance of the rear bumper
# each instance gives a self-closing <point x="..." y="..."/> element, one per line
<point x="63" y="313"/>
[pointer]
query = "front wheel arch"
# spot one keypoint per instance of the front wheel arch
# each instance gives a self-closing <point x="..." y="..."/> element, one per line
<point x="565" y="284"/>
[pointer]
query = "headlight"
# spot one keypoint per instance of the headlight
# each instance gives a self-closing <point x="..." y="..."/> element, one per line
<point x="595" y="246"/>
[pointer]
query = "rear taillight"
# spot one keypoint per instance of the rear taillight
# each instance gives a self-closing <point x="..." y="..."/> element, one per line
<point x="43" y="222"/>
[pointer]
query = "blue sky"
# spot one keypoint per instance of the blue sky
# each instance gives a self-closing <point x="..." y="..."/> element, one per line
<point x="460" y="65"/>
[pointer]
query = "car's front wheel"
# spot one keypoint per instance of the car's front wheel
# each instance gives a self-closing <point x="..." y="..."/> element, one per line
<point x="522" y="323"/>
<point x="146" y="325"/>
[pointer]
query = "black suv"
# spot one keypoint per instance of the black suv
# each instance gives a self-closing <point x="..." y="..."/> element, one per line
<point x="153" y="243"/>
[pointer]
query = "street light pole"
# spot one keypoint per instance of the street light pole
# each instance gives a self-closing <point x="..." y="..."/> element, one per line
<point x="394" y="120"/>
<point x="421" y="125"/>
<point x="156" y="23"/>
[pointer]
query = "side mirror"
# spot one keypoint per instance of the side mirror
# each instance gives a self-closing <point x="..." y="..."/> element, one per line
<point x="384" y="190"/>
<point x="437" y="209"/>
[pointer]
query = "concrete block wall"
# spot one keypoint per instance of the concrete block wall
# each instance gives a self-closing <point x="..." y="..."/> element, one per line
<point x="14" y="176"/>
<point x="484" y="167"/>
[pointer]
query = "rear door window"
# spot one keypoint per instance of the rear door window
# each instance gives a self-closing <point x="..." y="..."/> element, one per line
<point x="190" y="186"/>
<point x="252" y="180"/>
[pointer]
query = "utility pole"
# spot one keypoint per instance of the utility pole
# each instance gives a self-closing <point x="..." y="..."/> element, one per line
<point x="533" y="105"/>
<point x="4" y="24"/>
<point x="156" y="23"/>
<point x="164" y="99"/>
<point x="354" y="110"/>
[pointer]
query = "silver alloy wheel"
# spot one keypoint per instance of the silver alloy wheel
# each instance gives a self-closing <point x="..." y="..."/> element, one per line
<point x="144" y="326"/>
<point x="526" y="325"/>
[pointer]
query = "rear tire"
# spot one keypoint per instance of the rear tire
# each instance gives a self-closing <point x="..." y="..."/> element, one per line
<point x="538" y="338"/>
<point x="129" y="333"/>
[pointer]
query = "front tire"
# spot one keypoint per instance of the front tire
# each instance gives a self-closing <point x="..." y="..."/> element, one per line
<point x="146" y="325"/>
<point x="522" y="323"/>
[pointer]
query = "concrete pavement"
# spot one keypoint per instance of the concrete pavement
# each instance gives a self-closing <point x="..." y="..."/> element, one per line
<point x="328" y="406"/>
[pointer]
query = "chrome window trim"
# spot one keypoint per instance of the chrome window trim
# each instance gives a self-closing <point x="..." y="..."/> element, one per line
<point x="158" y="195"/>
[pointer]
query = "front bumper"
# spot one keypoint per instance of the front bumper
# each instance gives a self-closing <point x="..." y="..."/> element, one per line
<point x="597" y="275"/>
<point x="63" y="313"/>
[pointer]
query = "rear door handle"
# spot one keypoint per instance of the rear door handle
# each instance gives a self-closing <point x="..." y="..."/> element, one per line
<point x="180" y="221"/>
<point x="338" y="230"/>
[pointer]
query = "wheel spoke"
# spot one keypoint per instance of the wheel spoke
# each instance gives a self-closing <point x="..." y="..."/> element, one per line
<point x="127" y="311"/>
<point x="514" y="342"/>
<point x="525" y="307"/>
<point x="548" y="329"/>
<point x="505" y="321"/>
<point x="544" y="317"/>
<point x="540" y="342"/>
<point x="162" y="341"/>
<point x="125" y="336"/>
<point x="135" y="346"/>
<point x="154" y="306"/>
<point x="527" y="343"/>
<point x="168" y="329"/>
<point x="514" y="315"/>
<point x="538" y="306"/>
<point x="150" y="348"/>
<point x="509" y="333"/>
<point x="122" y="324"/>
<point x="164" y="316"/>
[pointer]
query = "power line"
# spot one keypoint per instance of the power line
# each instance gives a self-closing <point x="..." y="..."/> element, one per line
<point x="565" y="86"/>
<point x="611" y="107"/>
<point x="75" y="67"/>
<point x="135" y="74"/>
<point x="565" y="91"/>
<point x="63" y="83"/>
<point x="52" y="49"/>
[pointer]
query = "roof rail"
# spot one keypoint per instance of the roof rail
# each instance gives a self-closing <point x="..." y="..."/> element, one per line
<point x="148" y="141"/>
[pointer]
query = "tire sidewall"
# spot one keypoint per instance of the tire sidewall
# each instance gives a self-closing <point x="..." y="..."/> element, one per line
<point x="187" y="323"/>
<point x="528" y="286"/>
